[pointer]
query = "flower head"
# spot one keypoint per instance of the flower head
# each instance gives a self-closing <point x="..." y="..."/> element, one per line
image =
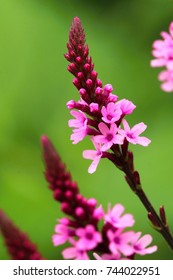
<point x="80" y="125"/>
<point x="120" y="242"/>
<point x="111" y="113"/>
<point x="132" y="134"/>
<point x="115" y="218"/>
<point x="140" y="244"/>
<point x="88" y="237"/>
<point x="109" y="136"/>
<point x="163" y="54"/>
<point x="163" y="50"/>
<point x="166" y="77"/>
<point x="126" y="106"/>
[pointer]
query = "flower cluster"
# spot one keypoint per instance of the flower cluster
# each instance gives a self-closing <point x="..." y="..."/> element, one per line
<point x="163" y="53"/>
<point x="98" y="113"/>
<point x="81" y="228"/>
<point x="111" y="243"/>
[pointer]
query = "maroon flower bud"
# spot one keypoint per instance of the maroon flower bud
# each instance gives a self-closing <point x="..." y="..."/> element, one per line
<point x="18" y="244"/>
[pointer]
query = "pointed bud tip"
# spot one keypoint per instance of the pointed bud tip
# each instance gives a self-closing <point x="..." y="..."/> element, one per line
<point x="44" y="140"/>
<point x="76" y="23"/>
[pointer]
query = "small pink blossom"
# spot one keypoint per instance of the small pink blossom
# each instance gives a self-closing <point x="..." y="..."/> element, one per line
<point x="115" y="218"/>
<point x="166" y="77"/>
<point x="75" y="252"/>
<point x="163" y="50"/>
<point x="120" y="242"/>
<point x="132" y="135"/>
<point x="80" y="125"/>
<point x="88" y="237"/>
<point x="126" y="106"/>
<point x="111" y="113"/>
<point x="94" y="155"/>
<point x="109" y="136"/>
<point x="140" y="244"/>
<point x="62" y="232"/>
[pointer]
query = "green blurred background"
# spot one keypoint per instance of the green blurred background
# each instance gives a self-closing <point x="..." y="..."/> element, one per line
<point x="35" y="86"/>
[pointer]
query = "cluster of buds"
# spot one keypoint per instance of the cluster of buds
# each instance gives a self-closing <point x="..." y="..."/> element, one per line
<point x="81" y="227"/>
<point x="163" y="53"/>
<point x="17" y="242"/>
<point x="98" y="113"/>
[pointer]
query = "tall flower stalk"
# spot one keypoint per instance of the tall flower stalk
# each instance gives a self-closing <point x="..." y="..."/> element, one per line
<point x="100" y="115"/>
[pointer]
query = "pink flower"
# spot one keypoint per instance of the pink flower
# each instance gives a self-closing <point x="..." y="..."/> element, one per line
<point x="140" y="244"/>
<point x="94" y="155"/>
<point x="166" y="77"/>
<point x="163" y="50"/>
<point x="80" y="124"/>
<point x="110" y="136"/>
<point x="120" y="242"/>
<point x="116" y="220"/>
<point x="74" y="252"/>
<point x="132" y="135"/>
<point x="88" y="237"/>
<point x="110" y="113"/>
<point x="126" y="106"/>
<point x="62" y="232"/>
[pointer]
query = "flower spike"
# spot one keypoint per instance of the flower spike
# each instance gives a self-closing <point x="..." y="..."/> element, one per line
<point x="18" y="244"/>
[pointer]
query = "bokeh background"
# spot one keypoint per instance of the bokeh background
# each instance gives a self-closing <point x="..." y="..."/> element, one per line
<point x="35" y="86"/>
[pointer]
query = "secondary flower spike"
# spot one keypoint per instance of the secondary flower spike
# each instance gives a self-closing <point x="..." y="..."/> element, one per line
<point x="163" y="57"/>
<point x="17" y="243"/>
<point x="80" y="227"/>
<point x="98" y="113"/>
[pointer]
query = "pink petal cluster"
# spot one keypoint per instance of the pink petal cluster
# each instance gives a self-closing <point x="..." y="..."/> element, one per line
<point x="163" y="54"/>
<point x="103" y="124"/>
<point x="112" y="242"/>
<point x="132" y="135"/>
<point x="80" y="125"/>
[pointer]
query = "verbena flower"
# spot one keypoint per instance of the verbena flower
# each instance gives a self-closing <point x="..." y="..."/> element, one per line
<point x="132" y="134"/>
<point x="140" y="244"/>
<point x="115" y="218"/>
<point x="163" y="54"/>
<point x="99" y="113"/>
<point x="111" y="113"/>
<point x="108" y="137"/>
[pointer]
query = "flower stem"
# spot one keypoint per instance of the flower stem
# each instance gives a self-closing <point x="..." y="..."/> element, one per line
<point x="137" y="189"/>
